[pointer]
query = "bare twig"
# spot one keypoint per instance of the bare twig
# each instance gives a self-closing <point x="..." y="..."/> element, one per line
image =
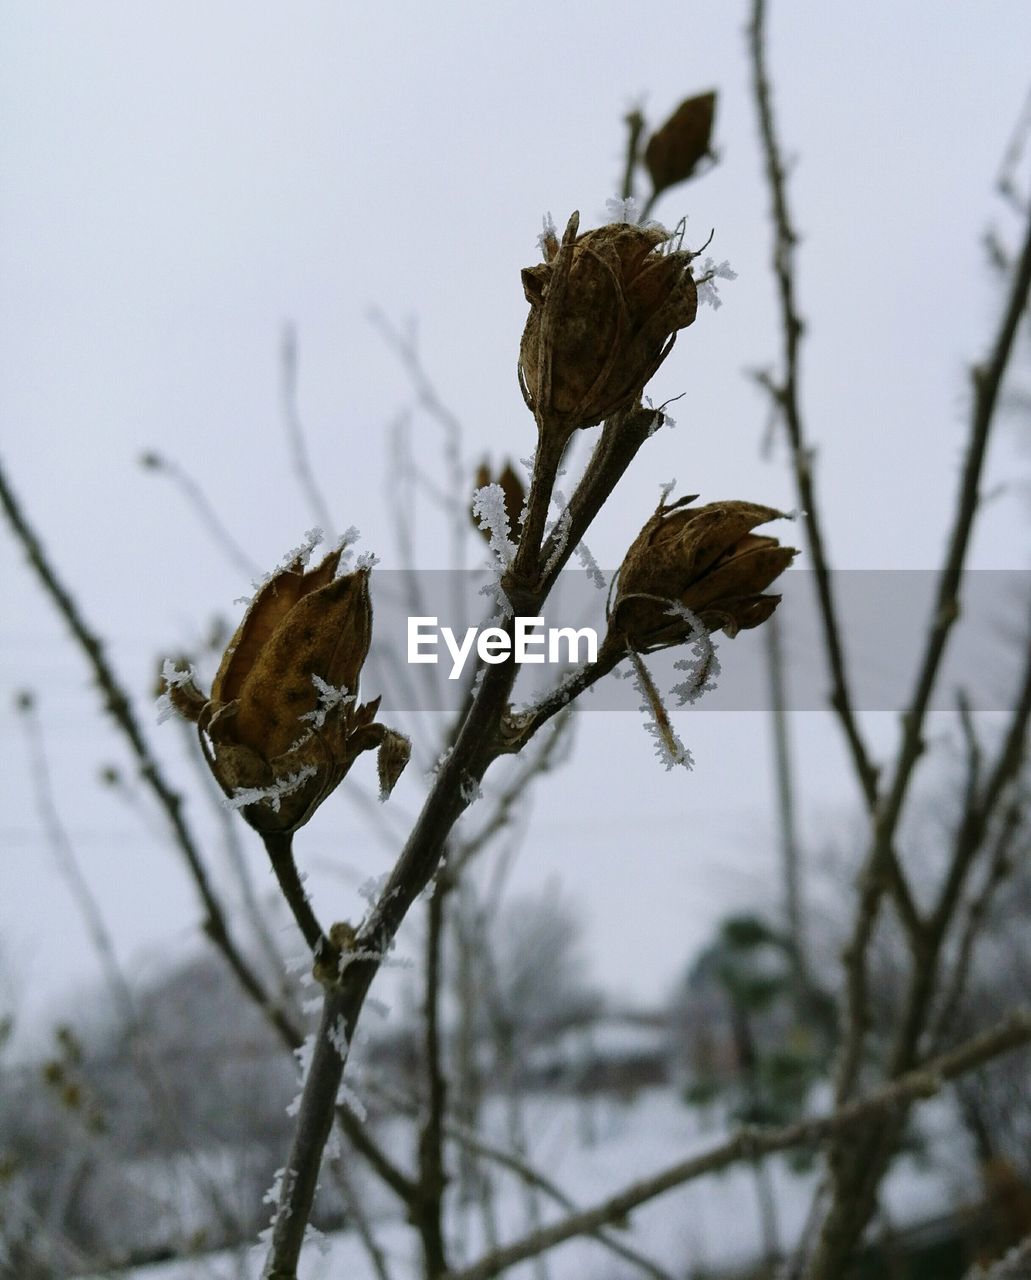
<point x="296" y="434"/>
<point x="634" y="120"/>
<point x="215" y="927"/>
<point x="209" y="517"/>
<point x="150" y="1077"/>
<point x="1000" y="864"/>
<point x="791" y="852"/>
<point x="429" y="1209"/>
<point x="281" y="855"/>
<point x="117" y="704"/>
<point x="785" y="395"/>
<point x="753" y="1143"/>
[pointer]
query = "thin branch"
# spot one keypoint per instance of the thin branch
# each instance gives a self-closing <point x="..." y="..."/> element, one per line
<point x="785" y="396"/>
<point x="121" y="993"/>
<point x="228" y="823"/>
<point x="406" y="349"/>
<point x="429" y="1208"/>
<point x="281" y="855"/>
<point x="634" y="121"/>
<point x="515" y="789"/>
<point x="790" y="846"/>
<point x="214" y="926"/>
<point x="117" y="704"/>
<point x="1000" y="865"/>
<point x="205" y="511"/>
<point x="359" y="1217"/>
<point x="297" y="437"/>
<point x="987" y="381"/>
<point x="522" y="1169"/>
<point x="753" y="1143"/>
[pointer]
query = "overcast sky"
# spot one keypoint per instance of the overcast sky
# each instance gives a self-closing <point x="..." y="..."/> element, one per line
<point x="182" y="179"/>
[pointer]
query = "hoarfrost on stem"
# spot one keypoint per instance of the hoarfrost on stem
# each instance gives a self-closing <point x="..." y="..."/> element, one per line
<point x="703" y="665"/>
<point x="492" y="516"/>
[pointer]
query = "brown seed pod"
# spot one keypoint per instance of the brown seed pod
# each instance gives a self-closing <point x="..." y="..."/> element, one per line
<point x="282" y="725"/>
<point x="706" y="559"/>
<point x="673" y="152"/>
<point x="604" y="312"/>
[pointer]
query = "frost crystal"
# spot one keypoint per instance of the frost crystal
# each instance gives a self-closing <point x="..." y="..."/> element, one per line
<point x="337" y="1035"/>
<point x="304" y="1052"/>
<point x="330" y="696"/>
<point x="489" y="511"/>
<point x="549" y="232"/>
<point x="274" y="794"/>
<point x="367" y="560"/>
<point x="312" y="1235"/>
<point x="561" y="532"/>
<point x="282" y="1185"/>
<point x="583" y="554"/>
<point x="312" y="538"/>
<point x="662" y="418"/>
<point x="668" y="747"/>
<point x="622" y="210"/>
<point x="350" y="1099"/>
<point x="370" y="890"/>
<point x="581" y="550"/>
<point x="470" y="789"/>
<point x="703" y="666"/>
<point x="708" y="290"/>
<point x="173" y="676"/>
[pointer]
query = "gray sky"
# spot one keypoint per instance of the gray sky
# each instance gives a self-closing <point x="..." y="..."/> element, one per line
<point x="180" y="179"/>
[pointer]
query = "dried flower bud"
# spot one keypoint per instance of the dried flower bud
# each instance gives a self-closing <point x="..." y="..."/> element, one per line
<point x="513" y="489"/>
<point x="604" y="312"/>
<point x="674" y="150"/>
<point x="283" y="726"/>
<point x="705" y="559"/>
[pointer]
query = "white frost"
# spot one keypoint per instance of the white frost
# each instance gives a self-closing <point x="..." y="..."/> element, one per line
<point x="274" y="794"/>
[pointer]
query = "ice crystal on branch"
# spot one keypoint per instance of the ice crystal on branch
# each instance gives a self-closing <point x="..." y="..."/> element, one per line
<point x="492" y="515"/>
<point x="708" y="290"/>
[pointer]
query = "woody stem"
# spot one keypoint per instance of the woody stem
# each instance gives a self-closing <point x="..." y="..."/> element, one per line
<point x="281" y="854"/>
<point x="549" y="454"/>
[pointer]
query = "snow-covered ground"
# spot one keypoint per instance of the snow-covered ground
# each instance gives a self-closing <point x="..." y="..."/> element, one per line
<point x="592" y="1148"/>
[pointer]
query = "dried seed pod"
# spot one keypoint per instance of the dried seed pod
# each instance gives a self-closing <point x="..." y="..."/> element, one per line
<point x="674" y="151"/>
<point x="705" y="559"/>
<point x="515" y="495"/>
<point x="282" y="725"/>
<point x="605" y="309"/>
